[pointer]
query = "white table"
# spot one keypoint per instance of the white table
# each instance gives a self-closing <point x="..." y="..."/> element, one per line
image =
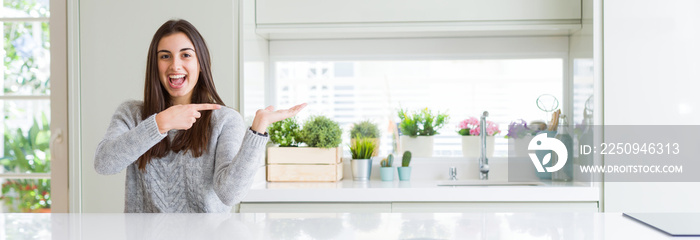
<point x="416" y="196"/>
<point x="348" y="190"/>
<point x="326" y="226"/>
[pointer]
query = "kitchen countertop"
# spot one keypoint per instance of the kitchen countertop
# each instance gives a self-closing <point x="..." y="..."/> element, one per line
<point x="326" y="226"/>
<point x="416" y="191"/>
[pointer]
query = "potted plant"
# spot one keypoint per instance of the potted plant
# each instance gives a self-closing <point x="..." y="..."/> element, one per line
<point x="362" y="158"/>
<point x="470" y="129"/>
<point x="418" y="129"/>
<point x="285" y="133"/>
<point x="366" y="129"/>
<point x="319" y="160"/>
<point x="387" y="169"/>
<point x="519" y="136"/>
<point x="321" y="132"/>
<point x="405" y="169"/>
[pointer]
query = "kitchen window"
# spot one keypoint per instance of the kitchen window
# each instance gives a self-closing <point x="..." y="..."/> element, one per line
<point x="354" y="80"/>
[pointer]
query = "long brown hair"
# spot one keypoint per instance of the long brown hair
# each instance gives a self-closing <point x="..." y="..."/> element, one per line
<point x="157" y="99"/>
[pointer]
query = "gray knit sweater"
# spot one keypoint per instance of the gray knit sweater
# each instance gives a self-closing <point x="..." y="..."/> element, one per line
<point x="179" y="182"/>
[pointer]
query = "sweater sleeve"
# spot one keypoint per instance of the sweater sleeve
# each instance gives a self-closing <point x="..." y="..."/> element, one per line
<point x="127" y="138"/>
<point x="239" y="154"/>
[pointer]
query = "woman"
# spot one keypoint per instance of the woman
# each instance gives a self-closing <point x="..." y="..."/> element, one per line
<point x="183" y="151"/>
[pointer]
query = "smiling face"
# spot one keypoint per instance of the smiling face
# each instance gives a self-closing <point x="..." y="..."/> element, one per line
<point x="178" y="67"/>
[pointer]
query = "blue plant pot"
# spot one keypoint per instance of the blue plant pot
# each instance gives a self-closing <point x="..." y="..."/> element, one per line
<point x="404" y="173"/>
<point x="387" y="173"/>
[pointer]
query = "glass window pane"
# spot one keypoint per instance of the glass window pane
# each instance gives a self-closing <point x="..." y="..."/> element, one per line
<point x="583" y="91"/>
<point x="26" y="195"/>
<point x="349" y="92"/>
<point x="24" y="8"/>
<point x="26" y="58"/>
<point x="26" y="136"/>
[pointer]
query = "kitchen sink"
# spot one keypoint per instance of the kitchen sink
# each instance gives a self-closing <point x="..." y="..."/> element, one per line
<point x="487" y="183"/>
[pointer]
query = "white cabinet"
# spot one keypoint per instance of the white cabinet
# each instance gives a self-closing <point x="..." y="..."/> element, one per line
<point x="289" y="19"/>
<point x="418" y="207"/>
<point x="299" y="207"/>
<point x="388" y="11"/>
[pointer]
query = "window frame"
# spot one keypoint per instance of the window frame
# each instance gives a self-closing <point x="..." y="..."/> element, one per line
<point x="59" y="102"/>
<point x="423" y="49"/>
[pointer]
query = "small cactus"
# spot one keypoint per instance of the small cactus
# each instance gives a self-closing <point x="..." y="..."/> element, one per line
<point x="406" y="159"/>
<point x="388" y="162"/>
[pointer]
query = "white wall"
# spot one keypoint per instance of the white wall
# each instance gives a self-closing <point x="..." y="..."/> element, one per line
<point x="114" y="39"/>
<point x="651" y="77"/>
<point x="254" y="61"/>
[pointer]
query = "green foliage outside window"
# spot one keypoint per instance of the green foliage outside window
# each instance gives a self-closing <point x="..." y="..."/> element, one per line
<point x="27" y="58"/>
<point x="27" y="195"/>
<point x="27" y="153"/>
<point x="31" y="8"/>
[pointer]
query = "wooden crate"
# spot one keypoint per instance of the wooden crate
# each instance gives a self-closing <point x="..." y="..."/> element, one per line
<point x="304" y="164"/>
<point x="305" y="173"/>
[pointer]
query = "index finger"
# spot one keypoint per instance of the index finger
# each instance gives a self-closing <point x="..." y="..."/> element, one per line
<point x="206" y="106"/>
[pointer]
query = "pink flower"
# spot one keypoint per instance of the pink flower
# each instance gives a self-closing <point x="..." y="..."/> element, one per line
<point x="492" y="128"/>
<point x="471" y="127"/>
<point x="468" y="123"/>
<point x="462" y="125"/>
<point x="474" y="131"/>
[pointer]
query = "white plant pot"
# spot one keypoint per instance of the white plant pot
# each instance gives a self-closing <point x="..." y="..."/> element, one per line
<point x="519" y="146"/>
<point x="471" y="146"/>
<point x="420" y="146"/>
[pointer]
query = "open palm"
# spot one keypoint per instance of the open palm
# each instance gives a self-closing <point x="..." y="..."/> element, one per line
<point x="267" y="116"/>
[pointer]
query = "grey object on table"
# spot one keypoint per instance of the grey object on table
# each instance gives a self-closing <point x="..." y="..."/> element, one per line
<point x="453" y="173"/>
<point x="483" y="160"/>
<point x="674" y="224"/>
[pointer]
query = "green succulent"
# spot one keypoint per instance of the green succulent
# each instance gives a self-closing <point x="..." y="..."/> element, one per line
<point x="285" y="133"/>
<point x="363" y="149"/>
<point x="406" y="159"/>
<point x="388" y="161"/>
<point x="321" y="131"/>
<point x="365" y="129"/>
<point x="422" y="123"/>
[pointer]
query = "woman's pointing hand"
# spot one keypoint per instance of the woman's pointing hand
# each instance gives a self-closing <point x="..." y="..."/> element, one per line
<point x="181" y="117"/>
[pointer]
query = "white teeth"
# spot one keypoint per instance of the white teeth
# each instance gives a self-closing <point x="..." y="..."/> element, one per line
<point x="177" y="76"/>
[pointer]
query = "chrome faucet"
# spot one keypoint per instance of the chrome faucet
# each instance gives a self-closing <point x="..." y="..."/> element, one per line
<point x="483" y="161"/>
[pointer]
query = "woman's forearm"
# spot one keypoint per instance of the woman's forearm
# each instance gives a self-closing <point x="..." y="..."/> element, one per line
<point x="122" y="146"/>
